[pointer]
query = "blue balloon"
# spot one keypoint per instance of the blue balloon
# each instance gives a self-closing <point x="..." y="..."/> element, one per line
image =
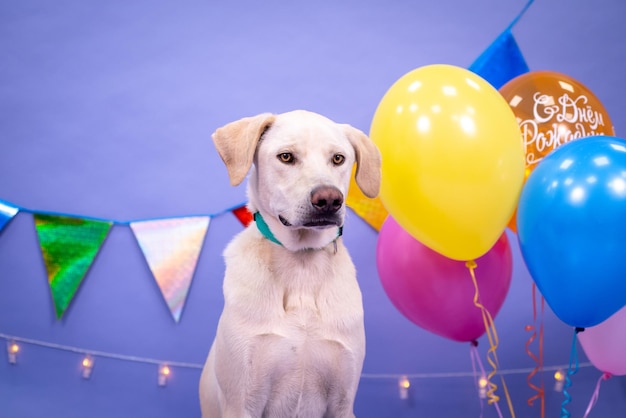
<point x="572" y="229"/>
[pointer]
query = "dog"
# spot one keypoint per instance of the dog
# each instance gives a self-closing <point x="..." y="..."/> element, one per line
<point x="290" y="341"/>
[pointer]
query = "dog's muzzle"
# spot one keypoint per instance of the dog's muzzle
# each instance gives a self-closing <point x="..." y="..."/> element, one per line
<point x="326" y="202"/>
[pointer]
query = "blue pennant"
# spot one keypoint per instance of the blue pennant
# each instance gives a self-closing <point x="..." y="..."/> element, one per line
<point x="501" y="61"/>
<point x="7" y="212"/>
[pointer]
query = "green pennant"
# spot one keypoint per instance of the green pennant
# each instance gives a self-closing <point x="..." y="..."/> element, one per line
<point x="69" y="246"/>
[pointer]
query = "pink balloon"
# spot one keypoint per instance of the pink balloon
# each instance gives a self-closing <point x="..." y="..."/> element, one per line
<point x="605" y="344"/>
<point x="435" y="292"/>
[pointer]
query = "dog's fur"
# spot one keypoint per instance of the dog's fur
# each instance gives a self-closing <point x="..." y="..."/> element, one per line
<point x="290" y="341"/>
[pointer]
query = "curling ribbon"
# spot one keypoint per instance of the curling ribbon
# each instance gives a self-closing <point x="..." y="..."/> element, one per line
<point x="477" y="361"/>
<point x="538" y="359"/>
<point x="596" y="393"/>
<point x="492" y="335"/>
<point x="571" y="370"/>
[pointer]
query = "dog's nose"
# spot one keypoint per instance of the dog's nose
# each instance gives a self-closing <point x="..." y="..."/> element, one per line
<point x="327" y="199"/>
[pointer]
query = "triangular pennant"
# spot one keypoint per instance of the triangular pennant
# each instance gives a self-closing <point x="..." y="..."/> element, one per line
<point x="243" y="214"/>
<point x="69" y="246"/>
<point x="501" y="61"/>
<point x="7" y="212"/>
<point x="171" y="248"/>
<point x="370" y="210"/>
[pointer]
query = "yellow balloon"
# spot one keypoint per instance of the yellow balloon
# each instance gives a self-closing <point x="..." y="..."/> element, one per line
<point x="453" y="159"/>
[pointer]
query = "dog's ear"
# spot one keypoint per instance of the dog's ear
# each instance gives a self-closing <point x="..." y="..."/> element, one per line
<point x="237" y="141"/>
<point x="368" y="161"/>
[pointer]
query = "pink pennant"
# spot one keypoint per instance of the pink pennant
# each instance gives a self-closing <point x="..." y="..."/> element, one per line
<point x="171" y="248"/>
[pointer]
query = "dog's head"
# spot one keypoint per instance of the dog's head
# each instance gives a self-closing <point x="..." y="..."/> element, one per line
<point x="300" y="164"/>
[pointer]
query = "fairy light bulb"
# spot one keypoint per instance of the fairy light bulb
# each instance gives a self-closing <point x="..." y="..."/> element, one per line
<point x="12" y="349"/>
<point x="559" y="380"/>
<point x="482" y="387"/>
<point x="164" y="373"/>
<point x="87" y="366"/>
<point x="403" y="385"/>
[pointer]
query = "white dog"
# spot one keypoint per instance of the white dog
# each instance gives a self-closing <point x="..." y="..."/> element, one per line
<point x="290" y="341"/>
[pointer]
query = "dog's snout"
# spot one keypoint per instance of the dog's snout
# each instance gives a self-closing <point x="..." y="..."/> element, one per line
<point x="327" y="199"/>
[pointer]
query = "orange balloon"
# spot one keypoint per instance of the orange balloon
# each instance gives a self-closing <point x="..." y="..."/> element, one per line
<point x="552" y="109"/>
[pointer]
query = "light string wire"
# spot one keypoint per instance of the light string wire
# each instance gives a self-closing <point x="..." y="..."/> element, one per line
<point x="139" y="359"/>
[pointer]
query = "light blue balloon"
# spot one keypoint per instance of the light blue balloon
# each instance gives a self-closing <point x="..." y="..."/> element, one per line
<point x="571" y="225"/>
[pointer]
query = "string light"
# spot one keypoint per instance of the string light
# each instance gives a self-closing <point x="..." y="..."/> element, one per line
<point x="164" y="367"/>
<point x="12" y="349"/>
<point x="559" y="380"/>
<point x="87" y="366"/>
<point x="403" y="385"/>
<point x="164" y="373"/>
<point x="482" y="387"/>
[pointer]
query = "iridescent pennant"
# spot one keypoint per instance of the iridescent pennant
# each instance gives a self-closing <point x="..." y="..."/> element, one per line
<point x="171" y="248"/>
<point x="69" y="246"/>
<point x="501" y="61"/>
<point x="7" y="212"/>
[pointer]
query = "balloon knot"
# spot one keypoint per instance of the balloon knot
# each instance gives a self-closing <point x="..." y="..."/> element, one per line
<point x="578" y="329"/>
<point x="471" y="264"/>
<point x="474" y="343"/>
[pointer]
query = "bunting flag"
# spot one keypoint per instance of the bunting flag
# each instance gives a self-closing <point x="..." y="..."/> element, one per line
<point x="69" y="246"/>
<point x="243" y="214"/>
<point x="370" y="210"/>
<point x="501" y="61"/>
<point x="171" y="248"/>
<point x="7" y="212"/>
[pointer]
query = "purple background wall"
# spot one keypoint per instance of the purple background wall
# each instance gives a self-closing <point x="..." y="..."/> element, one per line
<point x="106" y="110"/>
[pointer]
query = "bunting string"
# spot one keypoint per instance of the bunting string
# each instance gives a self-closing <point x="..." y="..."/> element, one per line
<point x="233" y="209"/>
<point x="519" y="15"/>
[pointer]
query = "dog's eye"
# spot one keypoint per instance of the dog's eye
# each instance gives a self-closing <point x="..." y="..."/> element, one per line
<point x="286" y="157"/>
<point x="338" y="159"/>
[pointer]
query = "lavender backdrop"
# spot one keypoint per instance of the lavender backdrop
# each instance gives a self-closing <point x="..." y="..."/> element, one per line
<point x="106" y="110"/>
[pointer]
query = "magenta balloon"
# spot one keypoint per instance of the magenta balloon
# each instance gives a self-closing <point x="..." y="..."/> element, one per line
<point x="435" y="292"/>
<point x="605" y="344"/>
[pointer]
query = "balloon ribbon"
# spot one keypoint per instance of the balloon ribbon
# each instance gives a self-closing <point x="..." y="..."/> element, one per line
<point x="492" y="335"/>
<point x="596" y="393"/>
<point x="572" y="369"/>
<point x="477" y="361"/>
<point x="541" y="394"/>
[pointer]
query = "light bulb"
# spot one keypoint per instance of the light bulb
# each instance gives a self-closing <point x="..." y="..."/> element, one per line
<point x="87" y="366"/>
<point x="559" y="380"/>
<point x="482" y="387"/>
<point x="164" y="373"/>
<point x="12" y="349"/>
<point x="403" y="385"/>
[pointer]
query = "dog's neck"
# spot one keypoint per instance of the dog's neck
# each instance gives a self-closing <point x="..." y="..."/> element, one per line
<point x="297" y="242"/>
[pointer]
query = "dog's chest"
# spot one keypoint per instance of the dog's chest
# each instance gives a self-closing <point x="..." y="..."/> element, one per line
<point x="296" y="322"/>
